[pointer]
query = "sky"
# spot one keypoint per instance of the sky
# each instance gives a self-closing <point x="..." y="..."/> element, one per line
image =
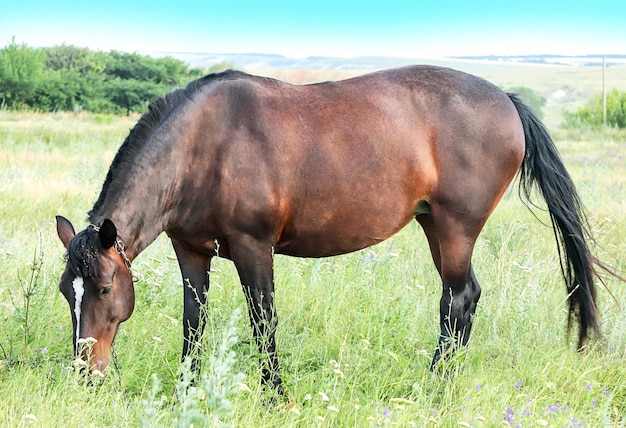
<point x="303" y="28"/>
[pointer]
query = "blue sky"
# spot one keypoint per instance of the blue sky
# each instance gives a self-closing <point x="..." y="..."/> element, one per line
<point x="301" y="28"/>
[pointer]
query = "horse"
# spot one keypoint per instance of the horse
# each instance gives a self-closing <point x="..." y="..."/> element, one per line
<point x="244" y="167"/>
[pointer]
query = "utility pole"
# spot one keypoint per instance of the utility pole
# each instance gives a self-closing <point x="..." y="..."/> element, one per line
<point x="604" y="90"/>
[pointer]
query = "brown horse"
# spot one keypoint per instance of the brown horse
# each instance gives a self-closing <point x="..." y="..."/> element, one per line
<point x="244" y="167"/>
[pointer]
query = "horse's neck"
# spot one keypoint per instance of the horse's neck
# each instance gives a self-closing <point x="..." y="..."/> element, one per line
<point x="141" y="188"/>
<point x="137" y="227"/>
<point x="139" y="218"/>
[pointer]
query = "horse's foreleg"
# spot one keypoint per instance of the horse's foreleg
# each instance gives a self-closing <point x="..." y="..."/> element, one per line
<point x="254" y="262"/>
<point x="195" y="271"/>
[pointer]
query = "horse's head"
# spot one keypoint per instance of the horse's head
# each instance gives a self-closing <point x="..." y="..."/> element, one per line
<point x="98" y="285"/>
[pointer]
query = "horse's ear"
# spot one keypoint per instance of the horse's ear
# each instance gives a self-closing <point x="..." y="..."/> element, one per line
<point x="107" y="234"/>
<point x="65" y="230"/>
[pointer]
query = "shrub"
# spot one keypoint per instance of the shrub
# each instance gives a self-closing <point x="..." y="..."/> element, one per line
<point x="70" y="78"/>
<point x="591" y="113"/>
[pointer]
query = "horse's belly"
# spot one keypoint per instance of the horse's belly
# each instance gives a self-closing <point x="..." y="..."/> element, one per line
<point x="336" y="238"/>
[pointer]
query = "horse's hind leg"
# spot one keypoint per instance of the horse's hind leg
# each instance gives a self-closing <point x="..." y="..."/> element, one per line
<point x="456" y="314"/>
<point x="451" y="238"/>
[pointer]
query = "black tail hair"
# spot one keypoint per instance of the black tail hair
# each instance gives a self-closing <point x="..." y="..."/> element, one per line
<point x="542" y="168"/>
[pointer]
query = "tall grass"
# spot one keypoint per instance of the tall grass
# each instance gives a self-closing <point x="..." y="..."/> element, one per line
<point x="356" y="332"/>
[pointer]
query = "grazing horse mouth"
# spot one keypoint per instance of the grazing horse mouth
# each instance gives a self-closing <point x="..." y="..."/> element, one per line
<point x="90" y="355"/>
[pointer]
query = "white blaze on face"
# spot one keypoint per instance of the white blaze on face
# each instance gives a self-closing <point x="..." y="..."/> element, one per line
<point x="79" y="291"/>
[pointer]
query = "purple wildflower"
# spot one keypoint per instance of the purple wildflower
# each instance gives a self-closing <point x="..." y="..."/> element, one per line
<point x="588" y="387"/>
<point x="508" y="417"/>
<point x="43" y="350"/>
<point x="605" y="391"/>
<point x="519" y="384"/>
<point x="477" y="387"/>
<point x="553" y="408"/>
<point x="574" y="423"/>
<point x="387" y="413"/>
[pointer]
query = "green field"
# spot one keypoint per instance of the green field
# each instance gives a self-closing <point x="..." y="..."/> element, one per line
<point x="356" y="332"/>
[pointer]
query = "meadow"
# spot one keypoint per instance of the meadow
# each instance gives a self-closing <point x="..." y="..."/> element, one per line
<point x="356" y="332"/>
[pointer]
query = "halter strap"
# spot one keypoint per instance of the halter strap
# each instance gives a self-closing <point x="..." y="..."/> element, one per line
<point x="119" y="247"/>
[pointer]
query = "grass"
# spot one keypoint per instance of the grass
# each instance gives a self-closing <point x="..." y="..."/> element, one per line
<point x="356" y="332"/>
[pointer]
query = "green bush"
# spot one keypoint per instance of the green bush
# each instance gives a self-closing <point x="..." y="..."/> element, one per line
<point x="70" y="78"/>
<point x="21" y="69"/>
<point x="591" y="114"/>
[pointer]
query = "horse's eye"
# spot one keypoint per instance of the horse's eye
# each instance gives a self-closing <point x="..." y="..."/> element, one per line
<point x="105" y="291"/>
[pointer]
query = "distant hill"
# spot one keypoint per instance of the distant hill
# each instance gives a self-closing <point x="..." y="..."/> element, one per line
<point x="278" y="62"/>
<point x="259" y="61"/>
<point x="581" y="60"/>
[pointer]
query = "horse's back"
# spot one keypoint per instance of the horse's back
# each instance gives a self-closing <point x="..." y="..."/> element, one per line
<point x="330" y="168"/>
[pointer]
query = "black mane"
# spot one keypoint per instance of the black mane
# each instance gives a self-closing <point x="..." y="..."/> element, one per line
<point x="140" y="133"/>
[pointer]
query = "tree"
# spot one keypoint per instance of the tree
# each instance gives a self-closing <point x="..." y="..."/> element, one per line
<point x="21" y="69"/>
<point x="166" y="71"/>
<point x="72" y="58"/>
<point x="57" y="90"/>
<point x="68" y="78"/>
<point x="132" y="94"/>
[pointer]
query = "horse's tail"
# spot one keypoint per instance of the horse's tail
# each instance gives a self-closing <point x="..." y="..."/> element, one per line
<point x="542" y="168"/>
